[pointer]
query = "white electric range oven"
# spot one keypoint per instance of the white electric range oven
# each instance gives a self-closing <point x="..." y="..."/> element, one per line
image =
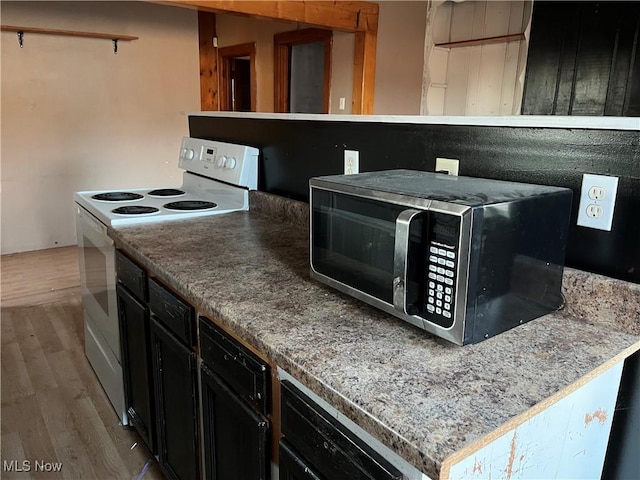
<point x="216" y="180"/>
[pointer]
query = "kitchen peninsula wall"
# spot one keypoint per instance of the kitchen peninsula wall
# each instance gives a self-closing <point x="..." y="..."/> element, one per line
<point x="542" y="150"/>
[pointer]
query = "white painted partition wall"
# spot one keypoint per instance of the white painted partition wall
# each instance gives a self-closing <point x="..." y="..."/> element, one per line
<point x="475" y="80"/>
<point x="565" y="439"/>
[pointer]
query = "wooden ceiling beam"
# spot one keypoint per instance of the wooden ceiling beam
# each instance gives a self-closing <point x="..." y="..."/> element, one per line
<point x="337" y="15"/>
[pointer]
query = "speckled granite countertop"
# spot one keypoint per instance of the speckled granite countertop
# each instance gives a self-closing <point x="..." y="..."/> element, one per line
<point x="421" y="396"/>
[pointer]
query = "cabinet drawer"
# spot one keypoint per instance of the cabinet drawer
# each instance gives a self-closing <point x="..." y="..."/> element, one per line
<point x="334" y="451"/>
<point x="174" y="313"/>
<point x="292" y="467"/>
<point x="131" y="276"/>
<point x="243" y="371"/>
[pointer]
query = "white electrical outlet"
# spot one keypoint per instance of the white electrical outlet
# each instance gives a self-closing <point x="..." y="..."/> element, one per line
<point x="448" y="165"/>
<point x="342" y="103"/>
<point x="597" y="201"/>
<point x="351" y="162"/>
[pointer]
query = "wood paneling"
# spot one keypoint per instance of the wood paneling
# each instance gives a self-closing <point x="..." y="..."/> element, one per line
<point x="588" y="66"/>
<point x="53" y="408"/>
<point x="483" y="44"/>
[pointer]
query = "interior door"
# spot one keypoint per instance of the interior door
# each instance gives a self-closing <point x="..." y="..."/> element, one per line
<point x="302" y="71"/>
<point x="238" y="86"/>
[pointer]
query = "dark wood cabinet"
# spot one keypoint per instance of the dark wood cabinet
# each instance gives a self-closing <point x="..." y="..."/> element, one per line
<point x="175" y="382"/>
<point x="157" y="336"/>
<point x="174" y="375"/>
<point x="235" y="435"/>
<point x="235" y="402"/>
<point x="133" y="315"/>
<point x="294" y="467"/>
<point x="232" y="439"/>
<point x="136" y="361"/>
<point x="317" y="439"/>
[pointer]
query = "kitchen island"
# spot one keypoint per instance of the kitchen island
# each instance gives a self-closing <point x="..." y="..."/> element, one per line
<point x="440" y="407"/>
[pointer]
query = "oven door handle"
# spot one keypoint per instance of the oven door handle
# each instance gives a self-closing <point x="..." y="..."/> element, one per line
<point x="401" y="258"/>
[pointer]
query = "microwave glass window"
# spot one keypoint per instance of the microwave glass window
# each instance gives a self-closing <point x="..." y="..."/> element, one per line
<point x="354" y="243"/>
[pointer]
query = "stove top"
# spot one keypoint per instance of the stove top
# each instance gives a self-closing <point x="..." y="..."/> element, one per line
<point x="217" y="181"/>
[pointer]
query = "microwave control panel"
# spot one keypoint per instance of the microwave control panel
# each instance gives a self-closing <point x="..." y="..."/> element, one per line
<point x="442" y="266"/>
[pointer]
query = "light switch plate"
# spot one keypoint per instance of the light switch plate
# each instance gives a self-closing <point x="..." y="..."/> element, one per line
<point x="597" y="201"/>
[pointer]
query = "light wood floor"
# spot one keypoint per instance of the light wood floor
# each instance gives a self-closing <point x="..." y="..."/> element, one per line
<point x="53" y="408"/>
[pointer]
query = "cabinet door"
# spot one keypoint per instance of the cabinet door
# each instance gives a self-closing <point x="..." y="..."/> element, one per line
<point x="136" y="365"/>
<point x="235" y="435"/>
<point x="292" y="465"/>
<point x="335" y="451"/>
<point x="174" y="376"/>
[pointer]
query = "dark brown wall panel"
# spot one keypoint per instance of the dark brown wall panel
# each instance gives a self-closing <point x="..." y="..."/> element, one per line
<point x="583" y="59"/>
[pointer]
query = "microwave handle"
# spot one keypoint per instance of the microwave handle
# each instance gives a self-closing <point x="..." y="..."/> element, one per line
<point x="400" y="258"/>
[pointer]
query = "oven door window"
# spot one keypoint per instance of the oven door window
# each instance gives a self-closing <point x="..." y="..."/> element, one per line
<point x="95" y="263"/>
<point x="354" y="241"/>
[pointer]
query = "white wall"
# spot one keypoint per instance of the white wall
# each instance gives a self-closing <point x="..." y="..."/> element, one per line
<point x="77" y="117"/>
<point x="342" y="72"/>
<point x="475" y="80"/>
<point x="400" y="57"/>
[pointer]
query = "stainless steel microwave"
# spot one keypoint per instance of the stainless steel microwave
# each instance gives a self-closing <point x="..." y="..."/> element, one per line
<point x="460" y="257"/>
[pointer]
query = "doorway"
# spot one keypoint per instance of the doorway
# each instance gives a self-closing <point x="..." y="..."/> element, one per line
<point x="238" y="78"/>
<point x="302" y="71"/>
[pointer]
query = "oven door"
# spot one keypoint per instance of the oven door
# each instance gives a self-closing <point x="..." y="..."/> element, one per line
<point x="97" y="277"/>
<point x="100" y="307"/>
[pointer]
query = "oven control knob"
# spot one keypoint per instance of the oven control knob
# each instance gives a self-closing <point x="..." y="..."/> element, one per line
<point x="222" y="161"/>
<point x="231" y="163"/>
<point x="189" y="154"/>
